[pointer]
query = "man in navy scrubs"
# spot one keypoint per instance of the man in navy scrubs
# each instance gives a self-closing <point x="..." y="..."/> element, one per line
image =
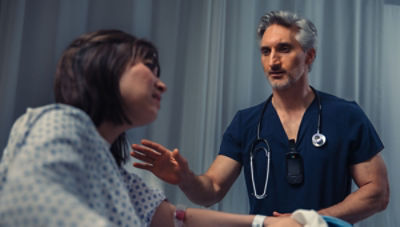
<point x="302" y="173"/>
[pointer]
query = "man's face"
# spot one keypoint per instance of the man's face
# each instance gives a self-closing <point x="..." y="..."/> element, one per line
<point x="282" y="57"/>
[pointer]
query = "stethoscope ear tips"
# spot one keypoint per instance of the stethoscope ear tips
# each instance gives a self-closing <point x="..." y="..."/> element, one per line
<point x="318" y="139"/>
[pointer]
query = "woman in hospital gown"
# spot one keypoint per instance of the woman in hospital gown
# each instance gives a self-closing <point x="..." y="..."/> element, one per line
<point x="63" y="162"/>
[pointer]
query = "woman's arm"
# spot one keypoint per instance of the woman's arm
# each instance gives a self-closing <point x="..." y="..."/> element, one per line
<point x="170" y="166"/>
<point x="164" y="216"/>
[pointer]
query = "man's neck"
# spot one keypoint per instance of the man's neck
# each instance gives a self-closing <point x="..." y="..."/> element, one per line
<point x="295" y="98"/>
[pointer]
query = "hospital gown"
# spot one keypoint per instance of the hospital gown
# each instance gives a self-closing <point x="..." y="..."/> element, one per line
<point x="57" y="170"/>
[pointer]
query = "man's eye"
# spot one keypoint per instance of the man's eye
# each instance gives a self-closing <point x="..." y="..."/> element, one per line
<point x="285" y="49"/>
<point x="265" y="51"/>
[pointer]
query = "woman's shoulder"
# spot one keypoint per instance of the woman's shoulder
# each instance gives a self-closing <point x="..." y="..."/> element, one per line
<point x="52" y="122"/>
<point x="58" y="117"/>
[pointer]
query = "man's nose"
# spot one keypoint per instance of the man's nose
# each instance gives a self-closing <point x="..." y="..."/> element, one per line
<point x="274" y="60"/>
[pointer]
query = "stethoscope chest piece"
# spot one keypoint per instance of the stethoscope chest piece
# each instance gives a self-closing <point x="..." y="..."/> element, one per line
<point x="318" y="139"/>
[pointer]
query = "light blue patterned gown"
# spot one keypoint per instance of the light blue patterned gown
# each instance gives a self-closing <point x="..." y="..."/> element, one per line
<point x="58" y="171"/>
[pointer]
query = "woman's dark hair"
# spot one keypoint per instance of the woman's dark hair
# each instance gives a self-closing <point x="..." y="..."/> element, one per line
<point x="88" y="75"/>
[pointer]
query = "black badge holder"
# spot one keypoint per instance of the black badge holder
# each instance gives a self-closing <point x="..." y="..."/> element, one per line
<point x="294" y="165"/>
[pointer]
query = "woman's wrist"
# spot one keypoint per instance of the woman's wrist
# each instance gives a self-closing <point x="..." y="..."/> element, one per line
<point x="258" y="221"/>
<point x="179" y="215"/>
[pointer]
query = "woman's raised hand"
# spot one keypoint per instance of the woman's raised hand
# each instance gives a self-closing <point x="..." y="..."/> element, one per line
<point x="167" y="165"/>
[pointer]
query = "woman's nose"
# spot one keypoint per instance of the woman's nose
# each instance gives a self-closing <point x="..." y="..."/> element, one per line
<point x="161" y="86"/>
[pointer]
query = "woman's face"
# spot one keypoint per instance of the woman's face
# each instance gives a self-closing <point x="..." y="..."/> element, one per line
<point x="141" y="91"/>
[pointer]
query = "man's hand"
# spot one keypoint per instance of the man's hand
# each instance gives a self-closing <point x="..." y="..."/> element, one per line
<point x="277" y="214"/>
<point x="283" y="221"/>
<point x="167" y="165"/>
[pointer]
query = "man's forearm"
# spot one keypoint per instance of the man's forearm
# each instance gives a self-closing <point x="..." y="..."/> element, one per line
<point x="211" y="187"/>
<point x="360" y="204"/>
<point x="199" y="189"/>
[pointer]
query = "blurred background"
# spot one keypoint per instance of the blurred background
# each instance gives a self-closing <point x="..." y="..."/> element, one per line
<point x="210" y="62"/>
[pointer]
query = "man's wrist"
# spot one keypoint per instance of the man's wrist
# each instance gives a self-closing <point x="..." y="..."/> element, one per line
<point x="186" y="180"/>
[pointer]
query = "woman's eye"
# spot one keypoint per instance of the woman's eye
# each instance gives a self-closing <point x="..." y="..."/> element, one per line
<point x="153" y="67"/>
<point x="150" y="65"/>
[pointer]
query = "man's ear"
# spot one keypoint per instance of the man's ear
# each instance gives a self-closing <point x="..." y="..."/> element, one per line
<point x="310" y="56"/>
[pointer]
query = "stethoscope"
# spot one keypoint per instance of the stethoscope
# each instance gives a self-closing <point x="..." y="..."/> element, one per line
<point x="318" y="140"/>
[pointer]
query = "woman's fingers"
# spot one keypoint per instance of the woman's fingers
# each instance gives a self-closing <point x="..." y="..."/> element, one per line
<point x="142" y="157"/>
<point x="144" y="166"/>
<point x="155" y="146"/>
<point x="181" y="160"/>
<point x="144" y="151"/>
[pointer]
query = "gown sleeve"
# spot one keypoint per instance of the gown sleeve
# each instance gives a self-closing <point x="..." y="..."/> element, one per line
<point x="44" y="173"/>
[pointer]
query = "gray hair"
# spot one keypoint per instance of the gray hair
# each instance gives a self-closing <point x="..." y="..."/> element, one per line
<point x="306" y="35"/>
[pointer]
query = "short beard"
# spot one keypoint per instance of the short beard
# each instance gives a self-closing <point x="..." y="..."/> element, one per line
<point x="289" y="83"/>
<point x="281" y="87"/>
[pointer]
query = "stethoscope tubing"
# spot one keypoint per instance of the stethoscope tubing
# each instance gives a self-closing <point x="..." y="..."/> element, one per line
<point x="318" y="140"/>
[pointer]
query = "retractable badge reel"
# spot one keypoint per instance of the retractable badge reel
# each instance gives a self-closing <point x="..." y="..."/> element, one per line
<point x="294" y="165"/>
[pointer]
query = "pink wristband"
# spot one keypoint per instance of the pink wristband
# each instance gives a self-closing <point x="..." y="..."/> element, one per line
<point x="179" y="215"/>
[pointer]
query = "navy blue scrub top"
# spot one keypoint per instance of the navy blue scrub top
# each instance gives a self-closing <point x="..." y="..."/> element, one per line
<point x="351" y="139"/>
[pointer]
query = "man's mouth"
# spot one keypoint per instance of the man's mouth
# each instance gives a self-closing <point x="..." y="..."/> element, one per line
<point x="275" y="74"/>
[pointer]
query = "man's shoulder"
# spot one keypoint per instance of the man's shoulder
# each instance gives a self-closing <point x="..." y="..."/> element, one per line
<point x="340" y="108"/>
<point x="332" y="101"/>
<point x="246" y="118"/>
<point x="249" y="114"/>
<point x="255" y="109"/>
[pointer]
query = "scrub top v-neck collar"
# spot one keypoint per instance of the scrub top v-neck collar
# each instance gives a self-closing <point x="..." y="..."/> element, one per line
<point x="309" y="115"/>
